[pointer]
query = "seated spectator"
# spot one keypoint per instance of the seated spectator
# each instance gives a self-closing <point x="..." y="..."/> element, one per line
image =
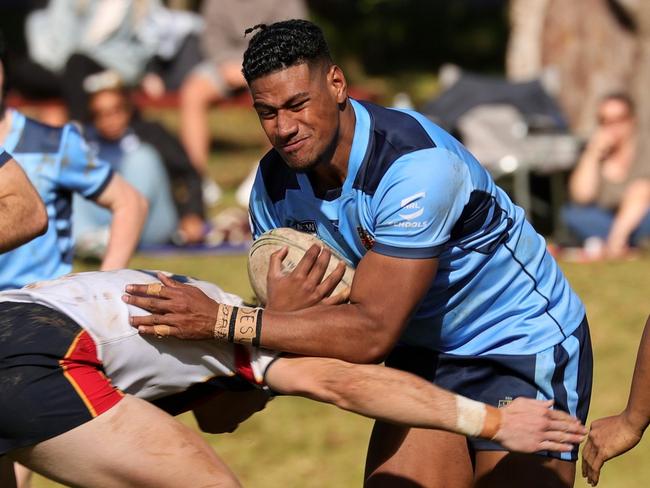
<point x="610" y="188"/>
<point x="71" y="39"/>
<point x="223" y="43"/>
<point x="138" y="162"/>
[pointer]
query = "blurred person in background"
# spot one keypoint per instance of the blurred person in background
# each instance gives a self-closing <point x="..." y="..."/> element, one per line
<point x="112" y="134"/>
<point x="23" y="212"/>
<point x="59" y="164"/>
<point x="219" y="75"/>
<point x="71" y="39"/>
<point x="610" y="188"/>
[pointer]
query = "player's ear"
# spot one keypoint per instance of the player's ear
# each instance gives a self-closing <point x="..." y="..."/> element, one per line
<point x="337" y="83"/>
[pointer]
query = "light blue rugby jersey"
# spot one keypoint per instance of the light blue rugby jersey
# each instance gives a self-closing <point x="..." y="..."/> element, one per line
<point x="58" y="163"/>
<point x="413" y="191"/>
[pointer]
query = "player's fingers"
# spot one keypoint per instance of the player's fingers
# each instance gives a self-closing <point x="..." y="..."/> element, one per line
<point x="307" y="262"/>
<point x="319" y="268"/>
<point x="168" y="281"/>
<point x="275" y="263"/>
<point x="160" y="331"/>
<point x="153" y="319"/>
<point x="155" y="305"/>
<point x="333" y="279"/>
<point x="554" y="446"/>
<point x="563" y="437"/>
<point x="339" y="298"/>
<point x="141" y="290"/>
<point x="569" y="425"/>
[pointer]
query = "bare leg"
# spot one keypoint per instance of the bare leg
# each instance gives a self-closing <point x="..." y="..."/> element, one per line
<point x="132" y="444"/>
<point x="501" y="469"/>
<point x="399" y="457"/>
<point x="196" y="95"/>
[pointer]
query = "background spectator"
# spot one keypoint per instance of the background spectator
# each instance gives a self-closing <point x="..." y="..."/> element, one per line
<point x="115" y="141"/>
<point x="223" y="43"/>
<point x="75" y="38"/>
<point x="609" y="188"/>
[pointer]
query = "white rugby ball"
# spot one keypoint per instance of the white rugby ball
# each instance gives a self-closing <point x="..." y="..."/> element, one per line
<point x="297" y="243"/>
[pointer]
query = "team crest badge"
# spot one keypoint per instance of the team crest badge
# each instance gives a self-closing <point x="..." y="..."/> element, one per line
<point x="366" y="239"/>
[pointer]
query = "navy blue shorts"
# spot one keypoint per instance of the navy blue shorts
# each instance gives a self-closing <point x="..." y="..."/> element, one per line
<point x="562" y="373"/>
<point x="51" y="380"/>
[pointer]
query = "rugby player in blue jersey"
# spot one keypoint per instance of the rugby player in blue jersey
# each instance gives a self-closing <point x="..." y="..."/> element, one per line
<point x="452" y="283"/>
<point x="58" y="162"/>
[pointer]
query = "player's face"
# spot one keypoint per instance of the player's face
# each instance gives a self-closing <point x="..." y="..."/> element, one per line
<point x="111" y="114"/>
<point x="299" y="108"/>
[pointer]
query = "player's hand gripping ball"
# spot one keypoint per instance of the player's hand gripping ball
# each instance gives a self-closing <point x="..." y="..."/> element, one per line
<point x="297" y="244"/>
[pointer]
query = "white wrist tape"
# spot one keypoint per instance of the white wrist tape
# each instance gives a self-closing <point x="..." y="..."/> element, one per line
<point x="470" y="416"/>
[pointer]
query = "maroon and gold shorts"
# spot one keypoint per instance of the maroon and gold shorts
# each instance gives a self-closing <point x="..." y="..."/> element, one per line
<point x="51" y="379"/>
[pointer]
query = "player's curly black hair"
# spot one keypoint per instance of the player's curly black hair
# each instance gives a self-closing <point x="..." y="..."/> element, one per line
<point x="283" y="44"/>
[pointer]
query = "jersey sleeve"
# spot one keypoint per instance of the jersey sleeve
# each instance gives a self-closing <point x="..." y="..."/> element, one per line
<point x="261" y="211"/>
<point x="418" y="202"/>
<point x="81" y="170"/>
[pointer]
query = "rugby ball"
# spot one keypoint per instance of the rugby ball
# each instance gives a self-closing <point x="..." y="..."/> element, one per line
<point x="297" y="243"/>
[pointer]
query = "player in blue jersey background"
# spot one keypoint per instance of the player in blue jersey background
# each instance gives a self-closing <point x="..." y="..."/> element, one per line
<point x="452" y="282"/>
<point x="59" y="163"/>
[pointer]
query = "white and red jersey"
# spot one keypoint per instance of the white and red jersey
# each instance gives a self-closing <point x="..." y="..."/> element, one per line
<point x="143" y="366"/>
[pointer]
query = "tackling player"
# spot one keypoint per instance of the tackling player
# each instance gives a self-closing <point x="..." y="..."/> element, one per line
<point x="74" y="376"/>
<point x="58" y="163"/>
<point x="452" y="282"/>
<point x="612" y="436"/>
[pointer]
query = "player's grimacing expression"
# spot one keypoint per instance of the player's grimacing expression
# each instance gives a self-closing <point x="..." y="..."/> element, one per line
<point x="299" y="109"/>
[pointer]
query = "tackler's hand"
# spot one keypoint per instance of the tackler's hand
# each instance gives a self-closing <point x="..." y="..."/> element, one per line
<point x="177" y="309"/>
<point x="531" y="425"/>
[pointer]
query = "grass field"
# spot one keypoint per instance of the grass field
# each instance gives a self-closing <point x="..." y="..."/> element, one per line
<point x="298" y="443"/>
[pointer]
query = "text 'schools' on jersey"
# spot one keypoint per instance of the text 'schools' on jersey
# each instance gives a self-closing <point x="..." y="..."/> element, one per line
<point x="58" y="162"/>
<point x="413" y="191"/>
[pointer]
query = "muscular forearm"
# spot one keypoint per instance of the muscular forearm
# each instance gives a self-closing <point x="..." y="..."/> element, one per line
<point x="638" y="406"/>
<point x="20" y="222"/>
<point x="345" y="332"/>
<point x="405" y="398"/>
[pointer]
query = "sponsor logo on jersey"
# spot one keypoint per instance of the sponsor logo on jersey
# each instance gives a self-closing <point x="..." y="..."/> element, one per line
<point x="308" y="226"/>
<point x="412" y="207"/>
<point x="366" y="239"/>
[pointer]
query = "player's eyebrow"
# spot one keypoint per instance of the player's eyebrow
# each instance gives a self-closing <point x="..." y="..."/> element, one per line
<point x="287" y="103"/>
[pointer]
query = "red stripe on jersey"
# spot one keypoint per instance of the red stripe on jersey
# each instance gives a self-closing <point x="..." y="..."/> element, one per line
<point x="83" y="369"/>
<point x="243" y="364"/>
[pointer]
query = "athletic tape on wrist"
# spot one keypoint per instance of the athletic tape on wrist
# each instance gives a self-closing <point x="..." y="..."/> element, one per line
<point x="242" y="325"/>
<point x="475" y="419"/>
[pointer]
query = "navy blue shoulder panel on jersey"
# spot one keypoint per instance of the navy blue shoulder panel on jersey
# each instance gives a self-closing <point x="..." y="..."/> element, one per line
<point x="39" y="138"/>
<point x="4" y="157"/>
<point x="277" y="176"/>
<point x="393" y="134"/>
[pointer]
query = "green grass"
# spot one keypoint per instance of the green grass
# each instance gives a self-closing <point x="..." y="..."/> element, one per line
<point x="299" y="443"/>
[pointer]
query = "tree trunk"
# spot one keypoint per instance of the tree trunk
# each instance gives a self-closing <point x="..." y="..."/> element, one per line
<point x="642" y="84"/>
